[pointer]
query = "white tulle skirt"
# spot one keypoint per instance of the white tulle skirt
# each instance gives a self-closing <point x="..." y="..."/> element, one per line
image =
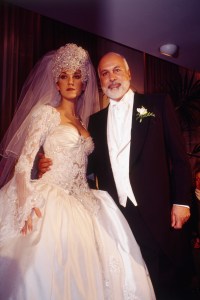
<point x="73" y="255"/>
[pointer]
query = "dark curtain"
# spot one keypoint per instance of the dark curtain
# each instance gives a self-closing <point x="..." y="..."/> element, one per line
<point x="25" y="37"/>
<point x="158" y="73"/>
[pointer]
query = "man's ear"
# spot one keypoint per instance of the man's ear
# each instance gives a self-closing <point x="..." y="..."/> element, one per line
<point x="129" y="74"/>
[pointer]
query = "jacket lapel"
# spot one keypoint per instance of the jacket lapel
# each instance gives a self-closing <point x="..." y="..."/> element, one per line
<point x="139" y="129"/>
<point x="104" y="120"/>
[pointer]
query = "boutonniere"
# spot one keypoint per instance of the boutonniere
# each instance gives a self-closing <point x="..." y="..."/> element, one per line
<point x="143" y="113"/>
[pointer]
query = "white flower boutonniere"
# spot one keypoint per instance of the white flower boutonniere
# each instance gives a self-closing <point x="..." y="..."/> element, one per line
<point x="143" y="113"/>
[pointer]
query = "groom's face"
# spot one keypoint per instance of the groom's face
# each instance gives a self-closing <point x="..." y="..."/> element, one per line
<point x="114" y="75"/>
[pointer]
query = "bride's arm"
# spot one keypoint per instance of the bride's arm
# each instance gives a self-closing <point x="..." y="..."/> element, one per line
<point x="27" y="199"/>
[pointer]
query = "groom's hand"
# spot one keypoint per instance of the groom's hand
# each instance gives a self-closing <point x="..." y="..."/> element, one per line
<point x="44" y="164"/>
<point x="179" y="216"/>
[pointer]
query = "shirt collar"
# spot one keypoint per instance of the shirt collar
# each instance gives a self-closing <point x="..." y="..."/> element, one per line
<point x="127" y="98"/>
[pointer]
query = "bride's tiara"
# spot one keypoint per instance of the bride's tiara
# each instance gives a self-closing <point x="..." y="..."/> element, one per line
<point x="70" y="57"/>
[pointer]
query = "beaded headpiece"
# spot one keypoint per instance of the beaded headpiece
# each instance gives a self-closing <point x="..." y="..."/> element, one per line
<point x="70" y="57"/>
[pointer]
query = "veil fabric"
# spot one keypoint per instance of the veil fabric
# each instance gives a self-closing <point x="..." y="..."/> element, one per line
<point x="40" y="89"/>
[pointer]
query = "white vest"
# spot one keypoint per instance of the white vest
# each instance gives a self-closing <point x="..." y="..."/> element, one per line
<point x="119" y="140"/>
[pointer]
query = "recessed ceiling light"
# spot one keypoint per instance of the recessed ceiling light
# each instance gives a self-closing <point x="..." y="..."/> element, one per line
<point x="169" y="50"/>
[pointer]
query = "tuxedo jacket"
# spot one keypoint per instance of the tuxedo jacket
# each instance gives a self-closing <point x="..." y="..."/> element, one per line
<point x="159" y="170"/>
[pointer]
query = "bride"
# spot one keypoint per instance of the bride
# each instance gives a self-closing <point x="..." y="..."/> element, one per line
<point x="59" y="239"/>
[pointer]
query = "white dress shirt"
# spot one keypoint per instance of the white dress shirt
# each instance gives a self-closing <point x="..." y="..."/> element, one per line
<point x="119" y="140"/>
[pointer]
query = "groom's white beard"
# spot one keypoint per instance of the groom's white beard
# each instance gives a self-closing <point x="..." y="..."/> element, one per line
<point x="117" y="93"/>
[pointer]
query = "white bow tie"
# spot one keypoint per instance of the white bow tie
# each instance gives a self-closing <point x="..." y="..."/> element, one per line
<point x="118" y="105"/>
<point x="119" y="110"/>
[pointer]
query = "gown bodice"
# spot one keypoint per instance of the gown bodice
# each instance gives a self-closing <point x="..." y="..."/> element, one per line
<point x="68" y="151"/>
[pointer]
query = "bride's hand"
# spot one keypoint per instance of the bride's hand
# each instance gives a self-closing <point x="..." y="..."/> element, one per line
<point x="28" y="224"/>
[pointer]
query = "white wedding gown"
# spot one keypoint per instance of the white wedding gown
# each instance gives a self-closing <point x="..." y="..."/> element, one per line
<point x="81" y="248"/>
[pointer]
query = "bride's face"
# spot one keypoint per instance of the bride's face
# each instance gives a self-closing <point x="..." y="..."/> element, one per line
<point x="70" y="84"/>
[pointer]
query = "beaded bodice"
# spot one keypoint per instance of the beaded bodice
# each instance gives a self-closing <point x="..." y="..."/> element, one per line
<point x="68" y="152"/>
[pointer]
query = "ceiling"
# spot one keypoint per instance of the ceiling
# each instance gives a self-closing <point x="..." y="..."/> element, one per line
<point x="143" y="25"/>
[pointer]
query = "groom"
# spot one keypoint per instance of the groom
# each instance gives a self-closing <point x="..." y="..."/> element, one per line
<point x="140" y="160"/>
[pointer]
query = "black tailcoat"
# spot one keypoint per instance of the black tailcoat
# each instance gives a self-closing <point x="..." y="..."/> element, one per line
<point x="159" y="169"/>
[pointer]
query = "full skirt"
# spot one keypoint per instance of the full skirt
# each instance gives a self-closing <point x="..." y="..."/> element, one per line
<point x="72" y="254"/>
